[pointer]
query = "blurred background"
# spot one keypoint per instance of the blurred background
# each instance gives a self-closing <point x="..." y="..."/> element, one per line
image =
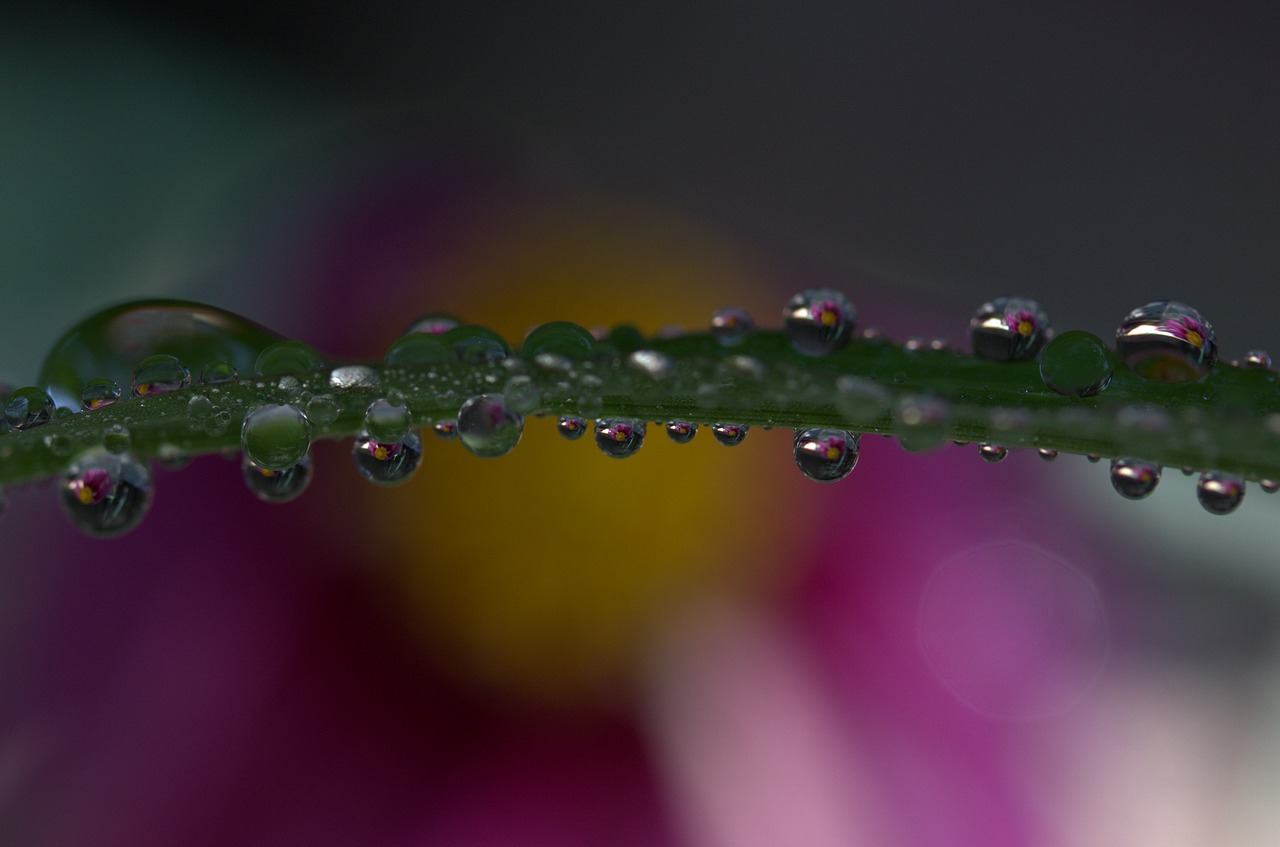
<point x="695" y="646"/>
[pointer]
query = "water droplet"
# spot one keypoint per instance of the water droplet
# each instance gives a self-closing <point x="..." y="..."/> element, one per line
<point x="476" y="345"/>
<point x="523" y="395"/>
<point x="28" y="407"/>
<point x="1076" y="364"/>
<point x="106" y="494"/>
<point x="385" y="421"/>
<point x="99" y="392"/>
<point x="993" y="453"/>
<point x="1271" y="486"/>
<point x="111" y="342"/>
<point x="1167" y="341"/>
<point x="276" y="436"/>
<point x="215" y="373"/>
<point x="387" y="463"/>
<point x="1133" y="478"/>
<point x="619" y="438"/>
<point x="922" y="422"/>
<point x="117" y="439"/>
<point x="1259" y="359"/>
<point x="352" y="377"/>
<point x="436" y="323"/>
<point x="171" y="458"/>
<point x="288" y="357"/>
<point x="58" y="443"/>
<point x="826" y="455"/>
<point x="420" y="348"/>
<point x="488" y="427"/>
<point x="740" y="371"/>
<point x="819" y="321"/>
<point x="861" y="400"/>
<point x="681" y="432"/>
<point x="277" y="486"/>
<point x="160" y="374"/>
<point x="1220" y="493"/>
<point x="571" y="427"/>
<point x="1093" y="458"/>
<point x="448" y="430"/>
<point x="200" y="409"/>
<point x="1008" y="329"/>
<point x="1047" y="454"/>
<point x="915" y="344"/>
<point x="730" y="434"/>
<point x="651" y="363"/>
<point x="625" y="338"/>
<point x="731" y="326"/>
<point x="559" y="338"/>
<point x="322" y="410"/>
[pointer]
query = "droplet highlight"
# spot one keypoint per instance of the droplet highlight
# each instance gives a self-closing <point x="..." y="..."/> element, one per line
<point x="488" y="427"/>
<point x="730" y="434"/>
<point x="826" y="455"/>
<point x="731" y="326"/>
<point x="387" y="463"/>
<point x="98" y="393"/>
<point x="106" y="495"/>
<point x="27" y="408"/>
<point x="681" y="432"/>
<point x="386" y="421"/>
<point x="276" y="436"/>
<point x="619" y="438"/>
<point x="277" y="486"/>
<point x="571" y="428"/>
<point x="993" y="453"/>
<point x="1008" y="329"/>
<point x="1220" y="493"/>
<point x="1167" y="341"/>
<point x="819" y="321"/>
<point x="1134" y="479"/>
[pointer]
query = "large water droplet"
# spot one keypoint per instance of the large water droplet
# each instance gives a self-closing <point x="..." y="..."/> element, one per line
<point x="110" y="343"/>
<point x="387" y="463"/>
<point x="993" y="453"/>
<point x="28" y="407"/>
<point x="729" y="434"/>
<point x="420" y="348"/>
<point x="731" y="326"/>
<point x="1008" y="329"/>
<point x="353" y="377"/>
<point x="559" y="338"/>
<point x="1076" y="364"/>
<point x="488" y="427"/>
<point x="291" y="358"/>
<point x="571" y="427"/>
<point x="476" y="344"/>
<point x="1134" y="478"/>
<point x="619" y="438"/>
<point x="1167" y="341"/>
<point x="436" y="323"/>
<point x="819" y="321"/>
<point x="277" y="486"/>
<point x="681" y="432"/>
<point x="922" y="422"/>
<point x="826" y="455"/>
<point x="160" y="374"/>
<point x="99" y="392"/>
<point x="1220" y="493"/>
<point x="386" y="421"/>
<point x="106" y="494"/>
<point x="276" y="436"/>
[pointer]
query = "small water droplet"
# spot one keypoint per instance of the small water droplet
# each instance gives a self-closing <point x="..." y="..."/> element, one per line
<point x="1167" y="341"/>
<point x="385" y="421"/>
<point x="1271" y="486"/>
<point x="559" y="338"/>
<point x="731" y="326"/>
<point x="387" y="463"/>
<point x="352" y="377"/>
<point x="488" y="427"/>
<point x="740" y="371"/>
<point x="1220" y="493"/>
<point x="420" y="348"/>
<point x="681" y="432"/>
<point x="28" y="407"/>
<point x="571" y="427"/>
<point x="171" y="458"/>
<point x="915" y="344"/>
<point x="1134" y="479"/>
<point x="99" y="392"/>
<point x="448" y="430"/>
<point x="277" y="486"/>
<point x="476" y="345"/>
<point x="922" y="422"/>
<point x="523" y="395"/>
<point x="106" y="494"/>
<point x="861" y="400"/>
<point x="940" y="345"/>
<point x="1259" y="359"/>
<point x="826" y="455"/>
<point x="619" y="438"/>
<point x="729" y="434"/>
<point x="1076" y="364"/>
<point x="276" y="436"/>
<point x="993" y="453"/>
<point x="1047" y="454"/>
<point x="819" y="321"/>
<point x="117" y="439"/>
<point x="322" y="410"/>
<point x="200" y="409"/>
<point x="58" y="443"/>
<point x="1008" y="329"/>
<point x="288" y="357"/>
<point x="215" y="373"/>
<point x="651" y="363"/>
<point x="1093" y="458"/>
<point x="436" y="323"/>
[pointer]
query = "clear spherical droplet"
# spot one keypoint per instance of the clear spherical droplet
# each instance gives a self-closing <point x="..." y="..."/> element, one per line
<point x="1134" y="478"/>
<point x="277" y="486"/>
<point x="476" y="344"/>
<point x="993" y="453"/>
<point x="448" y="430"/>
<point x="218" y="372"/>
<point x="322" y="410"/>
<point x="488" y="427"/>
<point x="276" y="436"/>
<point x="559" y="338"/>
<point x="1167" y="341"/>
<point x="1257" y="359"/>
<point x="826" y="455"/>
<point x="1271" y="486"/>
<point x="28" y="407"/>
<point x="420" y="348"/>
<point x="731" y="326"/>
<point x="386" y="421"/>
<point x="288" y="357"/>
<point x="1047" y="454"/>
<point x="619" y="438"/>
<point x="1220" y="493"/>
<point x="571" y="427"/>
<point x="729" y="434"/>
<point x="99" y="392"/>
<point x="436" y="323"/>
<point x="105" y="494"/>
<point x="681" y="432"/>
<point x="1076" y="364"/>
<point x="1008" y="329"/>
<point x="819" y="321"/>
<point x="387" y="463"/>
